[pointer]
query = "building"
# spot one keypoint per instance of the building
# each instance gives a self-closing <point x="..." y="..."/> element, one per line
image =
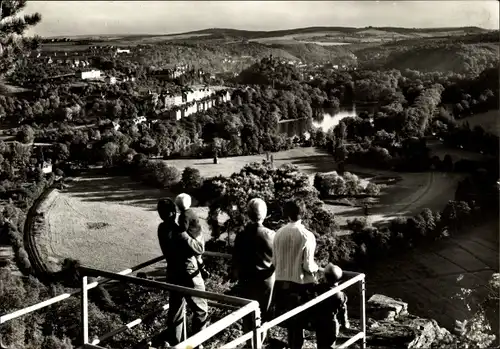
<point x="110" y="80"/>
<point x="119" y="50"/>
<point x="172" y="100"/>
<point x="46" y="167"/>
<point x="116" y="126"/>
<point x="139" y="120"/>
<point x="88" y="75"/>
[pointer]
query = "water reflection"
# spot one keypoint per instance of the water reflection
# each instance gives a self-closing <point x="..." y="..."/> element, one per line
<point x="323" y="118"/>
<point x="329" y="117"/>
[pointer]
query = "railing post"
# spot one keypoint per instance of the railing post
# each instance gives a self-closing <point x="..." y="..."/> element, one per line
<point x="257" y="339"/>
<point x="85" y="309"/>
<point x="362" y="305"/>
<point x="184" y="326"/>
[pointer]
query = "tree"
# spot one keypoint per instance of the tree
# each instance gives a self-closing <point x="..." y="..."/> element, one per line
<point x="191" y="179"/>
<point x="12" y="28"/>
<point x="109" y="151"/>
<point x="25" y="135"/>
<point x="60" y="152"/>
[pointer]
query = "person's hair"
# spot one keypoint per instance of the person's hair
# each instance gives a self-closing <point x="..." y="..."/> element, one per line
<point x="257" y="210"/>
<point x="333" y="273"/>
<point x="183" y="201"/>
<point x="167" y="209"/>
<point x="294" y="210"/>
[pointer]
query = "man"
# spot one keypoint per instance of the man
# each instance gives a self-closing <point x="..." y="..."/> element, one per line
<point x="180" y="251"/>
<point x="293" y="257"/>
<point x="252" y="261"/>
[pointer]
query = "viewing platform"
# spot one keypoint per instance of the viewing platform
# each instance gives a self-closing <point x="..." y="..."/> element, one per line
<point x="239" y="307"/>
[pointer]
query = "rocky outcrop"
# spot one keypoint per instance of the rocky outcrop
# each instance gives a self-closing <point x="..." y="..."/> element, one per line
<point x="390" y="325"/>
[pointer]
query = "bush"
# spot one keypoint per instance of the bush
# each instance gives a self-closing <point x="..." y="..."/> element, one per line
<point x="169" y="176"/>
<point x="191" y="180"/>
<point x="23" y="261"/>
<point x="52" y="342"/>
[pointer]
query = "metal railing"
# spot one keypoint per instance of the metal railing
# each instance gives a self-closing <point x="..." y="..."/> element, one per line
<point x="21" y="312"/>
<point x="249" y="307"/>
<point x="353" y="278"/>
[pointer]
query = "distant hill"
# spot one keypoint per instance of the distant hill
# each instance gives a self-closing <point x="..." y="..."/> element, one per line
<point x="247" y="34"/>
<point x="462" y="54"/>
<point x="214" y="33"/>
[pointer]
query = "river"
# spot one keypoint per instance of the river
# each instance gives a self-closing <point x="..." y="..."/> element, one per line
<point x="324" y="118"/>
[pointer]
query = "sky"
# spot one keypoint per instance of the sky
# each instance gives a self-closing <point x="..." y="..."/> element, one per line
<point x="69" y="18"/>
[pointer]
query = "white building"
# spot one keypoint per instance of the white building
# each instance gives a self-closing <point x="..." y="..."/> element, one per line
<point x="111" y="80"/>
<point x="119" y="50"/>
<point x="178" y="114"/>
<point x="116" y="126"/>
<point x="139" y="120"/>
<point x="92" y="74"/>
<point x="173" y="100"/>
<point x="47" y="167"/>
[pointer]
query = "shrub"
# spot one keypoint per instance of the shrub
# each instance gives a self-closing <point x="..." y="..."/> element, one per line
<point x="25" y="134"/>
<point x="52" y="342"/>
<point x="170" y="176"/>
<point x="191" y="179"/>
<point x="372" y="189"/>
<point x="357" y="225"/>
<point x="23" y="261"/>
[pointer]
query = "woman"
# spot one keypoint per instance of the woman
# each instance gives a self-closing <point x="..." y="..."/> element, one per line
<point x="252" y="256"/>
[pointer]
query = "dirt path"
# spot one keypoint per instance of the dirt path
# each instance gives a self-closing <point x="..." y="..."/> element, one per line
<point x="429" y="279"/>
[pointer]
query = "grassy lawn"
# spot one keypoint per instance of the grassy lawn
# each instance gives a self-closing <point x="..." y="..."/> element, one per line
<point x="488" y="121"/>
<point x="111" y="222"/>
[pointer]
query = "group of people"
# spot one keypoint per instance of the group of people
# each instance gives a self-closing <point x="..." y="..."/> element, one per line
<point x="277" y="269"/>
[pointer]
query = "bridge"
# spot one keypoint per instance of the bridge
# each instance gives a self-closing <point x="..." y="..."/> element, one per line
<point x="240" y="308"/>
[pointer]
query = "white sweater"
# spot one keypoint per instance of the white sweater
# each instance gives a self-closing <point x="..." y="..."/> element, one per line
<point x="293" y="254"/>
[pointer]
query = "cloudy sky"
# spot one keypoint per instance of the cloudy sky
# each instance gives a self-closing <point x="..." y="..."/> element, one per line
<point x="160" y="17"/>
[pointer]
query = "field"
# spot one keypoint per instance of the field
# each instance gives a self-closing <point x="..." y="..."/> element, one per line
<point x="488" y="121"/>
<point x="110" y="222"/>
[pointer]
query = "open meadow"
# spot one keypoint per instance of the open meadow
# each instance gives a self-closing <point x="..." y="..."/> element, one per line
<point x="489" y="121"/>
<point x="111" y="222"/>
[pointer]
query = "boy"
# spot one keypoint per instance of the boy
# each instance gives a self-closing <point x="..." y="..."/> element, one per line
<point x="190" y="223"/>
<point x="332" y="312"/>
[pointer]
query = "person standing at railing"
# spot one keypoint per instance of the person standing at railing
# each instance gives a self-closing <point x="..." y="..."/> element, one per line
<point x="293" y="257"/>
<point x="331" y="314"/>
<point x="252" y="261"/>
<point x="181" y="250"/>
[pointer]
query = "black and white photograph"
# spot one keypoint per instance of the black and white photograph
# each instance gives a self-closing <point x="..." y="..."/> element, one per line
<point x="249" y="174"/>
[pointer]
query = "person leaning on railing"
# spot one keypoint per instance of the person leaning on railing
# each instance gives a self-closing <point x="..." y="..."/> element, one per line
<point x="252" y="261"/>
<point x="331" y="314"/>
<point x="180" y="251"/>
<point x="293" y="257"/>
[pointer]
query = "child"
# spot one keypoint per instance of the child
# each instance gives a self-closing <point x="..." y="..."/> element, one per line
<point x="332" y="312"/>
<point x="190" y="223"/>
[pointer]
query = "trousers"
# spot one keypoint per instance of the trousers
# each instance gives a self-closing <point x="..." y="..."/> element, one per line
<point x="287" y="296"/>
<point x="178" y="301"/>
<point x="260" y="291"/>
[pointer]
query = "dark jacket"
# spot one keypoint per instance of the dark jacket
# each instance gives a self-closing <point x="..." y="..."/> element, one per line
<point x="252" y="253"/>
<point x="180" y="250"/>
<point x="190" y="223"/>
<point x="333" y="309"/>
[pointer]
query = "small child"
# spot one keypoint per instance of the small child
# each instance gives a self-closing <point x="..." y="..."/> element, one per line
<point x="189" y="222"/>
<point x="331" y="314"/>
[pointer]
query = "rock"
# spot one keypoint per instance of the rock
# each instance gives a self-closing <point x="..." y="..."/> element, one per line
<point x="408" y="331"/>
<point x="380" y="307"/>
